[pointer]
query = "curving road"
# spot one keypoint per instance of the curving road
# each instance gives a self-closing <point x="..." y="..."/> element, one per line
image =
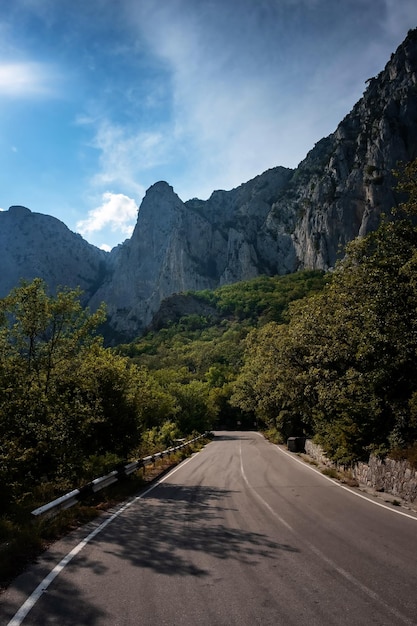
<point x="241" y="533"/>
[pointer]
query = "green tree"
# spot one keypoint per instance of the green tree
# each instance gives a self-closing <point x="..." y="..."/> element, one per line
<point x="42" y="342"/>
<point x="271" y="384"/>
<point x="63" y="396"/>
<point x="195" y="411"/>
<point x="344" y="368"/>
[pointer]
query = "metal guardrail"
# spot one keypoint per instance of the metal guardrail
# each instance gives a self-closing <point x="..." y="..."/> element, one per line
<point x="73" y="497"/>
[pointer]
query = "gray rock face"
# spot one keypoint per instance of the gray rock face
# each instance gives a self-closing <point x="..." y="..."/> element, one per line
<point x="151" y="265"/>
<point x="347" y="179"/>
<point x="281" y="221"/>
<point x="179" y="246"/>
<point x="35" y="245"/>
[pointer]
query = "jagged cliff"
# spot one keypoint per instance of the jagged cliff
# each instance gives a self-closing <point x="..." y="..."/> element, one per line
<point x="281" y="221"/>
<point x="35" y="245"/>
<point x="179" y="246"/>
<point x="348" y="178"/>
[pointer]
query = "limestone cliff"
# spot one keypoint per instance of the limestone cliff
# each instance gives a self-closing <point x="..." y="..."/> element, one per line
<point x="35" y="245"/>
<point x="153" y="264"/>
<point x="346" y="181"/>
<point x="281" y="221"/>
<point x="285" y="220"/>
<point x="179" y="246"/>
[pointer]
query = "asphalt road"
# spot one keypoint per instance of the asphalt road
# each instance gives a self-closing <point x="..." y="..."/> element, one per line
<point x="241" y="533"/>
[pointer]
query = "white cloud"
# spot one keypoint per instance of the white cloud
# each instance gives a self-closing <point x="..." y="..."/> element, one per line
<point x="261" y="90"/>
<point x="246" y="94"/>
<point x="234" y="116"/>
<point x="117" y="211"/>
<point x="20" y="80"/>
<point x="125" y="154"/>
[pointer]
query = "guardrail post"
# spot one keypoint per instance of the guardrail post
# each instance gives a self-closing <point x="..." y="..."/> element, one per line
<point x="73" y="497"/>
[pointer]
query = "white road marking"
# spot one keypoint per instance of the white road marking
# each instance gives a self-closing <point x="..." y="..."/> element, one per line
<point x="338" y="484"/>
<point x="43" y="586"/>
<point x="46" y="582"/>
<point x="318" y="553"/>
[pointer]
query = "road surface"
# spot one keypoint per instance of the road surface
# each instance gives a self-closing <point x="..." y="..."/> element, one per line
<point x="242" y="533"/>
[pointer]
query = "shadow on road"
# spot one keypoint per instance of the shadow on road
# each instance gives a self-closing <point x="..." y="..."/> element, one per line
<point x="176" y="523"/>
<point x="171" y="531"/>
<point x="65" y="605"/>
<point x="232" y="436"/>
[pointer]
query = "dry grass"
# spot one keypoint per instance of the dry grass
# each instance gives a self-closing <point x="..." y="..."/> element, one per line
<point x="405" y="454"/>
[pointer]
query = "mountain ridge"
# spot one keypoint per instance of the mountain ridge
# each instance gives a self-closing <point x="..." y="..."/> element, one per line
<point x="281" y="221"/>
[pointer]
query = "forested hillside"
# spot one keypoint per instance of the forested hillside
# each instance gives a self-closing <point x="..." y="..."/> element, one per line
<point x="330" y="356"/>
<point x="197" y="358"/>
<point x="71" y="409"/>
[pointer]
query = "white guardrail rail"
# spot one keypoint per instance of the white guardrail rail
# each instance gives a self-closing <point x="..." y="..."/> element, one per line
<point x="73" y="497"/>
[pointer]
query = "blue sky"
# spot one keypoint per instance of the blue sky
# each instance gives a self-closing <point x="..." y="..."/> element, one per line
<point x="99" y="99"/>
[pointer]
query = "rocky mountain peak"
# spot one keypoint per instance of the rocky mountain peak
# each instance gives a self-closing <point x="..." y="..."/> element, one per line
<point x="159" y="204"/>
<point x="161" y="188"/>
<point x="159" y="197"/>
<point x="35" y="245"/>
<point x="278" y="222"/>
<point x="19" y="211"/>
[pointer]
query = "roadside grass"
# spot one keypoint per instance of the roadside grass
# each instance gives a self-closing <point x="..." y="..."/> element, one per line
<point x="24" y="538"/>
<point x="330" y="472"/>
<point x="340" y="474"/>
<point x="273" y="436"/>
<point x="309" y="460"/>
<point x="408" y="454"/>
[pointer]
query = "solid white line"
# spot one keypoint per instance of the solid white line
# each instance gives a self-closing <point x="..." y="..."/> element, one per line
<point x="318" y="553"/>
<point x="43" y="586"/>
<point x="338" y="484"/>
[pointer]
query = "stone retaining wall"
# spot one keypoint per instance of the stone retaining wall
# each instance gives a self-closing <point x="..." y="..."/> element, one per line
<point x="396" y="477"/>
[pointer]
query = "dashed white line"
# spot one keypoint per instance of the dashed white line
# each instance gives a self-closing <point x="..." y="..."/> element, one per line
<point x="342" y="572"/>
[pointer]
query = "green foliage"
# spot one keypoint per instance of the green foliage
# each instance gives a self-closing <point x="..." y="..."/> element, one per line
<point x="66" y="403"/>
<point x="160" y="437"/>
<point x="265" y="299"/>
<point x="195" y="411"/>
<point x="270" y="384"/>
<point x="197" y="359"/>
<point x="273" y="435"/>
<point x="343" y="369"/>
